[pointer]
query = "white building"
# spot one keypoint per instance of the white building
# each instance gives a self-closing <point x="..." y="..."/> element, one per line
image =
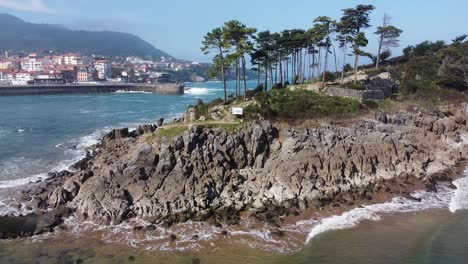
<point x="72" y="59"/>
<point x="20" y="78"/>
<point x="3" y="77"/>
<point x="57" y="60"/>
<point x="103" y="69"/>
<point x="31" y="65"/>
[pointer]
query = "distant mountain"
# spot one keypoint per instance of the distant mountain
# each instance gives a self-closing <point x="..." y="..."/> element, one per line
<point x="16" y="34"/>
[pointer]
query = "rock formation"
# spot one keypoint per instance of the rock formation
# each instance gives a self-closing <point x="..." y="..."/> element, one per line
<point x="208" y="174"/>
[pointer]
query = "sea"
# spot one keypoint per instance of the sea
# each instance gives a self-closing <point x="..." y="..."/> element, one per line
<point x="40" y="134"/>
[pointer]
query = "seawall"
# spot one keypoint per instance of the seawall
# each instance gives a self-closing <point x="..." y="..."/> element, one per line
<point x="163" y="88"/>
<point x="358" y="94"/>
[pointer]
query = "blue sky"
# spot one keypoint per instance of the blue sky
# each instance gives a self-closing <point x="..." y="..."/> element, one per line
<point x="178" y="26"/>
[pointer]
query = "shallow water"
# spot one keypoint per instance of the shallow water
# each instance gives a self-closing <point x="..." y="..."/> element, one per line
<point x="423" y="238"/>
<point x="43" y="133"/>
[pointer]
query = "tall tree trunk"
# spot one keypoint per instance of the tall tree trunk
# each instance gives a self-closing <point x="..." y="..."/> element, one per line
<point x="223" y="73"/>
<point x="293" y="64"/>
<point x="324" y="77"/>
<point x="237" y="77"/>
<point x="266" y="75"/>
<point x="334" y="55"/>
<point x="313" y="62"/>
<point x="245" y="81"/>
<point x="300" y="66"/>
<point x="378" y="53"/>
<point x="319" y="62"/>
<point x="304" y="65"/>
<point x="309" y="73"/>
<point x="356" y="61"/>
<point x="271" y="74"/>
<point x="345" y="47"/>
<point x="258" y="74"/>
<point x="281" y="69"/>
<point x="276" y="72"/>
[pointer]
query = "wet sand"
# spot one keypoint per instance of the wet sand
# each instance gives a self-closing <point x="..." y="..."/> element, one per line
<point x="398" y="238"/>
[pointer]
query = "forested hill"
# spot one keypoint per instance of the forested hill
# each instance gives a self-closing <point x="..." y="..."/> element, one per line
<point x="16" y="34"/>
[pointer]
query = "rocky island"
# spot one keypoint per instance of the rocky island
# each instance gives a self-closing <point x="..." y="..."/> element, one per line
<point x="259" y="171"/>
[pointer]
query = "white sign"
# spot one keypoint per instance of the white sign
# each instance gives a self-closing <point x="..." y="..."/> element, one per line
<point x="238" y="111"/>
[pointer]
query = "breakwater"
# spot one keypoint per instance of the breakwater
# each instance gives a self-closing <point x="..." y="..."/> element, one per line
<point x="162" y="88"/>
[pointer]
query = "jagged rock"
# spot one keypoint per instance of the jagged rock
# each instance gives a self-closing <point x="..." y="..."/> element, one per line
<point x="387" y="86"/>
<point x="210" y="175"/>
<point x="159" y="122"/>
<point x="116" y="134"/>
<point x="145" y="129"/>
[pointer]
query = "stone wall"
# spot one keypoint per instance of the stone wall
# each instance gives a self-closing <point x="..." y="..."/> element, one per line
<point x="171" y="88"/>
<point x="358" y="94"/>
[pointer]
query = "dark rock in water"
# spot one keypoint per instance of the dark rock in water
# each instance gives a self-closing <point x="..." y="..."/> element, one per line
<point x="160" y="122"/>
<point x="131" y="259"/>
<point x="277" y="232"/>
<point x="196" y="261"/>
<point x="56" y="175"/>
<point x="195" y="237"/>
<point x="173" y="237"/>
<point x="138" y="228"/>
<point x="431" y="187"/>
<point x="412" y="198"/>
<point x="225" y="233"/>
<point x="82" y="164"/>
<point x="32" y="224"/>
<point x="453" y="186"/>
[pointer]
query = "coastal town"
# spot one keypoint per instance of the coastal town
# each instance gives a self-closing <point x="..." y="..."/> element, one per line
<point x="55" y="68"/>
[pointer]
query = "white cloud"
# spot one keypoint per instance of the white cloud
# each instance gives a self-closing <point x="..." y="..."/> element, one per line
<point x="26" y="5"/>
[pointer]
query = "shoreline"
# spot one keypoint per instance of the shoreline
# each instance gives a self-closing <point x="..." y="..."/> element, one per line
<point x="145" y="244"/>
<point x="162" y="88"/>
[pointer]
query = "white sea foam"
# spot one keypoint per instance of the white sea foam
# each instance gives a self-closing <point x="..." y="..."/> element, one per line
<point x="444" y="198"/>
<point x="197" y="91"/>
<point x="201" y="90"/>
<point x="131" y="92"/>
<point x="22" y="181"/>
<point x="460" y="198"/>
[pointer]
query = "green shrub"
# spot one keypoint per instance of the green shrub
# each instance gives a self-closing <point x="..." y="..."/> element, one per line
<point x="277" y="86"/>
<point x="302" y="104"/>
<point x="354" y="85"/>
<point x="295" y="79"/>
<point x="371" y="104"/>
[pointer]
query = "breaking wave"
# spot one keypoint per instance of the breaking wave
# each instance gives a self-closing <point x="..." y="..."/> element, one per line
<point x="445" y="198"/>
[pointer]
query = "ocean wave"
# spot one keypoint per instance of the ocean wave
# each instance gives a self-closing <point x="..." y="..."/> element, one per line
<point x="445" y="198"/>
<point x="131" y="92"/>
<point x="196" y="236"/>
<point x="460" y="198"/>
<point x="201" y="90"/>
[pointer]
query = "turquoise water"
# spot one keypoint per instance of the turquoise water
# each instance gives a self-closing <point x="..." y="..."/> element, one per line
<point x="43" y="133"/>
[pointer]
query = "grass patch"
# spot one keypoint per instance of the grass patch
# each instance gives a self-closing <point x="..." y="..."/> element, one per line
<point x="171" y="132"/>
<point x="302" y="104"/>
<point x="166" y="132"/>
<point x="229" y="128"/>
<point x="354" y="85"/>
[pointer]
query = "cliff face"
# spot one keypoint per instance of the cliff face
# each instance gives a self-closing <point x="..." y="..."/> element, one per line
<point x="209" y="174"/>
